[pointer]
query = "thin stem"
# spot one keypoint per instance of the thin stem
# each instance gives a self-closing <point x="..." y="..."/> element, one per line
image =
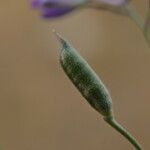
<point x="104" y="7"/>
<point x="139" y="21"/>
<point x="146" y="30"/>
<point x="135" y="16"/>
<point x="112" y="122"/>
<point x="148" y="14"/>
<point x="148" y="3"/>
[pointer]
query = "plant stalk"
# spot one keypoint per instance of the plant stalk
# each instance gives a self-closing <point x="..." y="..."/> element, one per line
<point x="135" y="16"/>
<point x="112" y="122"/>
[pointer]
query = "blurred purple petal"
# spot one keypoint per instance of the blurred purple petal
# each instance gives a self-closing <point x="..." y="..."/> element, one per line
<point x="55" y="11"/>
<point x="36" y="3"/>
<point x="55" y="8"/>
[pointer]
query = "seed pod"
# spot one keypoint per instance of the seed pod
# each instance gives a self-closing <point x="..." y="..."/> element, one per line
<point x="85" y="79"/>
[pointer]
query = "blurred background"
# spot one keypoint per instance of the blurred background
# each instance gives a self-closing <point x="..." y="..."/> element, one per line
<point x="40" y="109"/>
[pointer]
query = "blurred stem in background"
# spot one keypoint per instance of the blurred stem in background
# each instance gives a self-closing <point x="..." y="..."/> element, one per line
<point x="142" y="23"/>
<point x="130" y="11"/>
<point x="133" y="14"/>
<point x="146" y="29"/>
<point x="52" y="9"/>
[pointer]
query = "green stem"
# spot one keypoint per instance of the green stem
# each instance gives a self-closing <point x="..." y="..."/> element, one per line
<point x="112" y="122"/>
<point x="146" y="30"/>
<point x="139" y="21"/>
<point x="134" y="15"/>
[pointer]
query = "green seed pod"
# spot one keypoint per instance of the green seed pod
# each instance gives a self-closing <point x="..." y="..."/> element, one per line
<point x="85" y="79"/>
<point x="91" y="87"/>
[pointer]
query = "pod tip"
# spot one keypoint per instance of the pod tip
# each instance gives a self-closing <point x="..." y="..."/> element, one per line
<point x="58" y="36"/>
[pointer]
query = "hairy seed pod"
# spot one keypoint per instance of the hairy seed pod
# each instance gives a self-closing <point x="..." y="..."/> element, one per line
<point x="91" y="87"/>
<point x="85" y="79"/>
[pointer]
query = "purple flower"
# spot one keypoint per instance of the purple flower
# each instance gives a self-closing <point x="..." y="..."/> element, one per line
<point x="55" y="8"/>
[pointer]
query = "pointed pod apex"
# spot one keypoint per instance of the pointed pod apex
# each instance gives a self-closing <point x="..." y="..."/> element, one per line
<point x="59" y="37"/>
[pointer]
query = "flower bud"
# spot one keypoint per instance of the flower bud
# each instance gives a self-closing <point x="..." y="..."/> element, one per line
<point x="85" y="79"/>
